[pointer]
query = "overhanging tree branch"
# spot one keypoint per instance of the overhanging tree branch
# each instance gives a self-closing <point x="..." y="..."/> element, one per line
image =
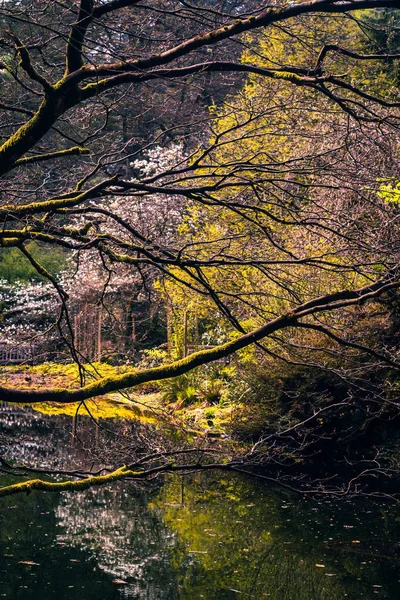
<point x="66" y="94"/>
<point x="330" y="302"/>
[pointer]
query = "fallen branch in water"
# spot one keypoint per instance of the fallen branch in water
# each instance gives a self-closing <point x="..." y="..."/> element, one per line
<point x="98" y="480"/>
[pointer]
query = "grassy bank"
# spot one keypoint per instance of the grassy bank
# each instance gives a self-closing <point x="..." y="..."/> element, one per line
<point x="150" y="405"/>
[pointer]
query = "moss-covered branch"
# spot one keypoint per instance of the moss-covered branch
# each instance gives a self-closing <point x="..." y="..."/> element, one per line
<point x="74" y="151"/>
<point x="133" y="377"/>
<point x="264" y="18"/>
<point x="63" y="201"/>
<point x="66" y="93"/>
<point x="98" y="480"/>
<point x="70" y="485"/>
<point x="31" y="132"/>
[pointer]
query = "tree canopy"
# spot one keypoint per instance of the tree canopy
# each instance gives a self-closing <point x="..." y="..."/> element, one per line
<point x="241" y="154"/>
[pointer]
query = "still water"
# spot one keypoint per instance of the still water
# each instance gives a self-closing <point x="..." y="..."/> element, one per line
<point x="200" y="537"/>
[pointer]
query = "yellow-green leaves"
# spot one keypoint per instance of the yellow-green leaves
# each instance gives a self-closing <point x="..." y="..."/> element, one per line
<point x="390" y="192"/>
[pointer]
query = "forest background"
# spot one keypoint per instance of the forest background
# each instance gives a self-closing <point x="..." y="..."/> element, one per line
<point x="201" y="199"/>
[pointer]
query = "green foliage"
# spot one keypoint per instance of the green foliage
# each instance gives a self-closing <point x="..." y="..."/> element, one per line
<point x="214" y="384"/>
<point x="153" y="357"/>
<point x="209" y="413"/>
<point x="211" y="390"/>
<point x="270" y="399"/>
<point x="180" y="390"/>
<point x="382" y="28"/>
<point x="14" y="266"/>
<point x="210" y="384"/>
<point x="390" y="192"/>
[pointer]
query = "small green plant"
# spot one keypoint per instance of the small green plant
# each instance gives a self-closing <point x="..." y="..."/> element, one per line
<point x="209" y="413"/>
<point x="180" y="390"/>
<point x="389" y="191"/>
<point x="214" y="383"/>
<point x="154" y="357"/>
<point x="187" y="395"/>
<point x="211" y="390"/>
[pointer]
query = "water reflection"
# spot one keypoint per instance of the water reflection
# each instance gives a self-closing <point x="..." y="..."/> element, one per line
<point x="128" y="540"/>
<point x="265" y="544"/>
<point x="212" y="538"/>
<point x="28" y="437"/>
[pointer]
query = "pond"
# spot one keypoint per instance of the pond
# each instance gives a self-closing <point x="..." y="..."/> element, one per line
<point x="203" y="536"/>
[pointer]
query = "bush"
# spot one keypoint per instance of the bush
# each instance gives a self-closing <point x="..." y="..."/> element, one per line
<point x="269" y="400"/>
<point x="180" y="390"/>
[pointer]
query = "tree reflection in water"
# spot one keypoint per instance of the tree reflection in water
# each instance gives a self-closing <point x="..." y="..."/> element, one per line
<point x="210" y="537"/>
